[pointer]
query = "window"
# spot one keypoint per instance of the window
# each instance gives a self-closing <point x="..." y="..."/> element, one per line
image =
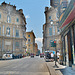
<point x="28" y="40"/>
<point x="51" y="42"/>
<point x="17" y="20"/>
<point x="29" y="45"/>
<point x="13" y="31"/>
<point x="8" y="31"/>
<point x="0" y="30"/>
<point x="17" y="44"/>
<point x="8" y="19"/>
<point x="28" y="35"/>
<point x="49" y="17"/>
<point x="57" y="29"/>
<point x="17" y="33"/>
<point x="3" y="29"/>
<point x="0" y="16"/>
<point x="0" y="43"/>
<point x="53" y="30"/>
<point x="50" y="31"/>
<point x="23" y="34"/>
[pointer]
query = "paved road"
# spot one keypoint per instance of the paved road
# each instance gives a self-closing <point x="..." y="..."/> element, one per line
<point x="24" y="66"/>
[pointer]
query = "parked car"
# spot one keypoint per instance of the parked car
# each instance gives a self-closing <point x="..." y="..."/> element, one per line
<point x="7" y="56"/>
<point x="41" y="55"/>
<point x="37" y="54"/>
<point x="32" y="55"/>
<point x="48" y="57"/>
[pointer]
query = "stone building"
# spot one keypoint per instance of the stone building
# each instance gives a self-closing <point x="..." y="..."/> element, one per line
<point x="30" y="43"/>
<point x="12" y="30"/>
<point x="51" y="29"/>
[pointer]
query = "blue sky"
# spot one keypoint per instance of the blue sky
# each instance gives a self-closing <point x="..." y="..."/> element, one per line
<point x="34" y="12"/>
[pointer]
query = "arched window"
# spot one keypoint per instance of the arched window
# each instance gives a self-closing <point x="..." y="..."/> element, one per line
<point x="8" y="31"/>
<point x="8" y="19"/>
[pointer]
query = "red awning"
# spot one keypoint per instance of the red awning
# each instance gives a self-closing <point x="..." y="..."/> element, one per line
<point x="70" y="18"/>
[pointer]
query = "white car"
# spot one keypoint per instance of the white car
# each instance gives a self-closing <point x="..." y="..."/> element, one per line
<point x="7" y="56"/>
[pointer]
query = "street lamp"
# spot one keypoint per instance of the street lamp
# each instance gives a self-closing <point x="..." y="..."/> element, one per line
<point x="51" y="22"/>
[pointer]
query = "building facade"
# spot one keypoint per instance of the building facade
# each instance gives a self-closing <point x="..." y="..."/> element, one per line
<point x="30" y="43"/>
<point x="12" y="30"/>
<point x="51" y="29"/>
<point x="36" y="48"/>
<point x="63" y="4"/>
<point x="67" y="26"/>
<point x="54" y="3"/>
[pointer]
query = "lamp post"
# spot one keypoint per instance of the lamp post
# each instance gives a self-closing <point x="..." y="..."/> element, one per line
<point x="54" y="46"/>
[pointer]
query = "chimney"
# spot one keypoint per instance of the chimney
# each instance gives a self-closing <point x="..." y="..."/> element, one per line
<point x="4" y="4"/>
<point x="20" y="10"/>
<point x="46" y="8"/>
<point x="14" y="7"/>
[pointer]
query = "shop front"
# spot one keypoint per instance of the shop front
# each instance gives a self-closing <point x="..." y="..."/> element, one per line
<point x="67" y="26"/>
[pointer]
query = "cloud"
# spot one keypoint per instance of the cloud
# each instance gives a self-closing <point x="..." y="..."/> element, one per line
<point x="39" y="42"/>
<point x="27" y="16"/>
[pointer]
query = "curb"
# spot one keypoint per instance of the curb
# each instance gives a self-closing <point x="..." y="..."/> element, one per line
<point x="52" y="70"/>
<point x="48" y="69"/>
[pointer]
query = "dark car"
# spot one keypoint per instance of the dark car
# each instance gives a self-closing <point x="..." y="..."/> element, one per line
<point x="37" y="54"/>
<point x="32" y="55"/>
<point x="41" y="55"/>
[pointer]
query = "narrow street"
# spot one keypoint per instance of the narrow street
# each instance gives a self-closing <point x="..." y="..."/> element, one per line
<point x="24" y="66"/>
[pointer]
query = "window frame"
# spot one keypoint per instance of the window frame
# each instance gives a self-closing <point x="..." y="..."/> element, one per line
<point x="17" y="19"/>
<point x="17" y="33"/>
<point x="50" y="33"/>
<point x="0" y="31"/>
<point x="29" y="39"/>
<point x="17" y="44"/>
<point x="8" y="19"/>
<point x="0" y="16"/>
<point x="8" y="34"/>
<point x="28" y="35"/>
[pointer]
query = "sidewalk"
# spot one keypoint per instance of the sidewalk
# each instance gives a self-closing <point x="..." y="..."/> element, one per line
<point x="61" y="70"/>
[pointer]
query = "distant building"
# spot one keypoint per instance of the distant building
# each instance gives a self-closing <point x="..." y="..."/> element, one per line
<point x="36" y="48"/>
<point x="30" y="43"/>
<point x="12" y="30"/>
<point x="38" y="52"/>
